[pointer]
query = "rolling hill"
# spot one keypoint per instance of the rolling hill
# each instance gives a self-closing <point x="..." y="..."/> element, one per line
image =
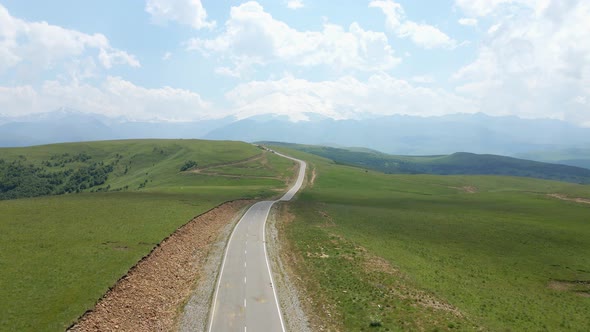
<point x="460" y="163"/>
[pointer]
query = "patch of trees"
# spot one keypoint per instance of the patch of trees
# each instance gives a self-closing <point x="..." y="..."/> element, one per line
<point x="19" y="179"/>
<point x="25" y="180"/>
<point x="87" y="177"/>
<point x="189" y="164"/>
<point x="60" y="160"/>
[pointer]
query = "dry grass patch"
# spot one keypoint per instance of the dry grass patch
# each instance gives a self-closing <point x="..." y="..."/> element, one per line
<point x="466" y="189"/>
<point x="571" y="199"/>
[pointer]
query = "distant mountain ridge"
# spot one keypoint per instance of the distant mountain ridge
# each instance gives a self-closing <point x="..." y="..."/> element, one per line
<point x="397" y="134"/>
<point x="410" y="135"/>
<point x="579" y="157"/>
<point x="66" y="125"/>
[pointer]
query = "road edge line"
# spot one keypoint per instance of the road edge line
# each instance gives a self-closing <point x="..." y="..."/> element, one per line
<point x="273" y="285"/>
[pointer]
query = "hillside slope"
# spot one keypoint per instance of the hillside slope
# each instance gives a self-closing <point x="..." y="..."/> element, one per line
<point x="460" y="163"/>
<point x="116" y="166"/>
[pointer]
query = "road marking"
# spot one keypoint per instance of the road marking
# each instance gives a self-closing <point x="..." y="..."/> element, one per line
<point x="244" y="279"/>
<point x="222" y="268"/>
<point x="245" y="265"/>
<point x="244" y="303"/>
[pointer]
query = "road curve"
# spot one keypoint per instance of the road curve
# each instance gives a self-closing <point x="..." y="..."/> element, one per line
<point x="245" y="299"/>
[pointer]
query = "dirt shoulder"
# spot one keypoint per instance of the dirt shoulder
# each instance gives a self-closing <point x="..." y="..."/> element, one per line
<point x="280" y="257"/>
<point x="151" y="295"/>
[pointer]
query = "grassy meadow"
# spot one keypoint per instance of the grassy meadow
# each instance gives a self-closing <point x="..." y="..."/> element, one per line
<point x="425" y="252"/>
<point x="60" y="253"/>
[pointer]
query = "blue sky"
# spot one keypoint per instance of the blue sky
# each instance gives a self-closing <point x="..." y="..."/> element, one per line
<point x="179" y="60"/>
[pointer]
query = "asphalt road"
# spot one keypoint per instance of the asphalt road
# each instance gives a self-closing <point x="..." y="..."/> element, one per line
<point x="245" y="299"/>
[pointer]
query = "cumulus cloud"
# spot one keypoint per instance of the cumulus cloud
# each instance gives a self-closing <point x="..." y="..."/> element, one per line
<point x="113" y="97"/>
<point x="253" y="37"/>
<point x="423" y="35"/>
<point x="535" y="61"/>
<point x="188" y="12"/>
<point x="295" y="4"/>
<point x="41" y="46"/>
<point x="343" y="98"/>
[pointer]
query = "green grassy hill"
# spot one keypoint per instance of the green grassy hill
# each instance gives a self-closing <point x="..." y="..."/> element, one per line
<point x="381" y="252"/>
<point x="455" y="164"/>
<point x="60" y="253"/>
<point x="115" y="166"/>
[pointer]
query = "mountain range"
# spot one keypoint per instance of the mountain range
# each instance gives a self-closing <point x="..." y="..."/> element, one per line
<point x="396" y="134"/>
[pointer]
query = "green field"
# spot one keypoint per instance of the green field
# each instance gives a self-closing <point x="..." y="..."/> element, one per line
<point x="375" y="251"/>
<point x="60" y="253"/>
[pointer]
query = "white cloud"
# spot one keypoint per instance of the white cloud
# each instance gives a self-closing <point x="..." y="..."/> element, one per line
<point x="492" y="29"/>
<point x="423" y="35"/>
<point x="344" y="98"/>
<point x="116" y="57"/>
<point x="167" y="56"/>
<point x="226" y="71"/>
<point x="188" y="12"/>
<point x="498" y="7"/>
<point x="114" y="97"/>
<point x="581" y="100"/>
<point x="14" y="100"/>
<point x="41" y="46"/>
<point x="468" y="21"/>
<point x="252" y="36"/>
<point x="480" y="7"/>
<point x="295" y="4"/>
<point x="534" y="62"/>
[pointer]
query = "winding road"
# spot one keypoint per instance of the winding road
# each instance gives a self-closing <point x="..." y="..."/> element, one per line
<point x="245" y="299"/>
